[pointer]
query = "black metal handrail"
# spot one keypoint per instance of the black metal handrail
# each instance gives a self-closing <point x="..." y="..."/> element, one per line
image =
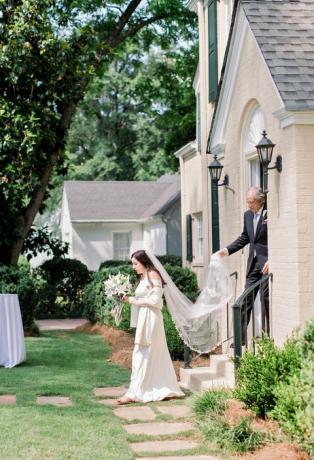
<point x="235" y="275"/>
<point x="239" y="313"/>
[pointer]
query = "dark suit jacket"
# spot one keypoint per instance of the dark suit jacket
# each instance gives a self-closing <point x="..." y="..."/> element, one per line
<point x="257" y="243"/>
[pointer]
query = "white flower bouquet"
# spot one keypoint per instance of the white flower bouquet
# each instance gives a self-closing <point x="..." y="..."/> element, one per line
<point x="117" y="286"/>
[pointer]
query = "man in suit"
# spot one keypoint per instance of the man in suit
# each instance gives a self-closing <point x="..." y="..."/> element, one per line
<point x="255" y="234"/>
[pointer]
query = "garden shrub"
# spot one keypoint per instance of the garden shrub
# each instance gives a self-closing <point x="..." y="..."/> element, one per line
<point x="16" y="279"/>
<point x="166" y="259"/>
<point x="113" y="263"/>
<point x="294" y="408"/>
<point x="62" y="292"/>
<point x="170" y="259"/>
<point x="184" y="279"/>
<point x="259" y="373"/>
<point x="307" y="341"/>
<point x="97" y="307"/>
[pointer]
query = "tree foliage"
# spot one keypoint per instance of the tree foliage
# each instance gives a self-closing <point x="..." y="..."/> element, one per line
<point x="41" y="239"/>
<point x="50" y="51"/>
<point x="135" y="116"/>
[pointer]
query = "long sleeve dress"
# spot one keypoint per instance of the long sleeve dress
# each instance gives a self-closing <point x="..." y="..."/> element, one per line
<point x="153" y="377"/>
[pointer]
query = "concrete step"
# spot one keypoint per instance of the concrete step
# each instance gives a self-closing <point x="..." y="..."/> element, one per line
<point x="220" y="374"/>
<point x="217" y="384"/>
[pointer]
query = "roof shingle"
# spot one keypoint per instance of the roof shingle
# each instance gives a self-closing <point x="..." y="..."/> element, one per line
<point x="284" y="31"/>
<point x="119" y="200"/>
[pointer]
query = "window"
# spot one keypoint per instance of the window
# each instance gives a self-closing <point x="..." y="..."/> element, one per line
<point x="254" y="129"/>
<point x="256" y="173"/>
<point x="212" y="51"/>
<point x="199" y="236"/>
<point x="121" y="245"/>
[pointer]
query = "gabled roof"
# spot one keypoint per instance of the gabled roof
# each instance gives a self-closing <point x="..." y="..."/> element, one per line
<point x="284" y="31"/>
<point x="92" y="201"/>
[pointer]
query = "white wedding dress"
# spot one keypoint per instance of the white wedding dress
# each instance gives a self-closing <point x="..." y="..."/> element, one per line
<point x="153" y="377"/>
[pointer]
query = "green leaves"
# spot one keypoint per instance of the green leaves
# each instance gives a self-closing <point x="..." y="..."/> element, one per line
<point x="135" y="116"/>
<point x="50" y="52"/>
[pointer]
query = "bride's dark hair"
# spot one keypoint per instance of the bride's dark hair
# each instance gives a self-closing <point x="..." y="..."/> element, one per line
<point x="143" y="258"/>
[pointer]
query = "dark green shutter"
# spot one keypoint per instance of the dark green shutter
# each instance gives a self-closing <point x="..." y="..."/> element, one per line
<point x="189" y="246"/>
<point x="212" y="51"/>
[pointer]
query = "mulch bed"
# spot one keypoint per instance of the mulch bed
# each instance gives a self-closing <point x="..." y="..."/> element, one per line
<point x="122" y="344"/>
<point x="274" y="451"/>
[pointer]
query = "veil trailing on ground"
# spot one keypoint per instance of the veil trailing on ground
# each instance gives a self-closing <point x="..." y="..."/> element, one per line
<point x="198" y="323"/>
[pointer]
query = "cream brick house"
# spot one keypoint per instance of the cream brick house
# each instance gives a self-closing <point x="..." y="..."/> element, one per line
<point x="256" y="72"/>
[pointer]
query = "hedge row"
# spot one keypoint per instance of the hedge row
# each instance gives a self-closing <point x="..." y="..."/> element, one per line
<point x="62" y="288"/>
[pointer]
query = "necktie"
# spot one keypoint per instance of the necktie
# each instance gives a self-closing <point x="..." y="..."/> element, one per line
<point x="255" y="221"/>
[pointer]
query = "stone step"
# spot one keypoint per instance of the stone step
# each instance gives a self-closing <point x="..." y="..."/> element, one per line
<point x="177" y="411"/>
<point x="110" y="392"/>
<point x="163" y="446"/>
<point x="219" y="374"/>
<point x="144" y="413"/>
<point x="188" y="457"/>
<point x="158" y="428"/>
<point x="7" y="400"/>
<point x="217" y="384"/>
<point x="186" y="375"/>
<point x="60" y="401"/>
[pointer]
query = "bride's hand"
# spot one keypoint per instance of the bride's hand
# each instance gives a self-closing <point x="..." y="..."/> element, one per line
<point x="125" y="298"/>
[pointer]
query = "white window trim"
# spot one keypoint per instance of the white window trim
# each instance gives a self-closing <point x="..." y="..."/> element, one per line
<point x="199" y="258"/>
<point x="119" y="232"/>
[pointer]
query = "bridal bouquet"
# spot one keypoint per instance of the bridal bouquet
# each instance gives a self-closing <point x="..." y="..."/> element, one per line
<point x="117" y="286"/>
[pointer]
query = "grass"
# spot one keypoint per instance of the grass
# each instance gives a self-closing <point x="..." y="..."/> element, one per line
<point x="67" y="364"/>
<point x="210" y="401"/>
<point x="209" y="410"/>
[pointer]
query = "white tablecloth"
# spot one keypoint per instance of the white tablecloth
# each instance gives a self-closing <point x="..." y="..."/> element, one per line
<point x="12" y="345"/>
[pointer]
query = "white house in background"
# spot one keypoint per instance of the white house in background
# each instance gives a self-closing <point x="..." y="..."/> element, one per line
<point x="105" y="220"/>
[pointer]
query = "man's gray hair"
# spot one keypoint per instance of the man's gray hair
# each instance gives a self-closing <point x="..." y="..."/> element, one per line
<point x="257" y="194"/>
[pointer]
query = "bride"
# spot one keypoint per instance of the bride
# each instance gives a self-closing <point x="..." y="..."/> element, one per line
<point x="153" y="377"/>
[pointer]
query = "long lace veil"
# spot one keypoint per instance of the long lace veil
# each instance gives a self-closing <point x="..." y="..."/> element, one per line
<point x="199" y="323"/>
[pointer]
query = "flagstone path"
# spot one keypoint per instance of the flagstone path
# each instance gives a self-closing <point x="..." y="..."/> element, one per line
<point x="60" y="324"/>
<point x="163" y="428"/>
<point x="7" y="399"/>
<point x="166" y="419"/>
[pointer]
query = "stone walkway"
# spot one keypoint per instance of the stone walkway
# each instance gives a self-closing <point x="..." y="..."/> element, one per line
<point x="59" y="324"/>
<point x="163" y="428"/>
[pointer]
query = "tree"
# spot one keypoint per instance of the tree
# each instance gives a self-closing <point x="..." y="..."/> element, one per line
<point x="135" y="116"/>
<point x="50" y="51"/>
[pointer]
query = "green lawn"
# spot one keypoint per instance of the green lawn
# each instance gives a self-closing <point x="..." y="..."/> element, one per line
<point x="68" y="364"/>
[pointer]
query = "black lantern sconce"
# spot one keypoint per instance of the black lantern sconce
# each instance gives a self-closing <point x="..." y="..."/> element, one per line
<point x="215" y="170"/>
<point x="265" y="149"/>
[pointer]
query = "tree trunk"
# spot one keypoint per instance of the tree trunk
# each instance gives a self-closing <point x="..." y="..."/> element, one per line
<point x="9" y="254"/>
